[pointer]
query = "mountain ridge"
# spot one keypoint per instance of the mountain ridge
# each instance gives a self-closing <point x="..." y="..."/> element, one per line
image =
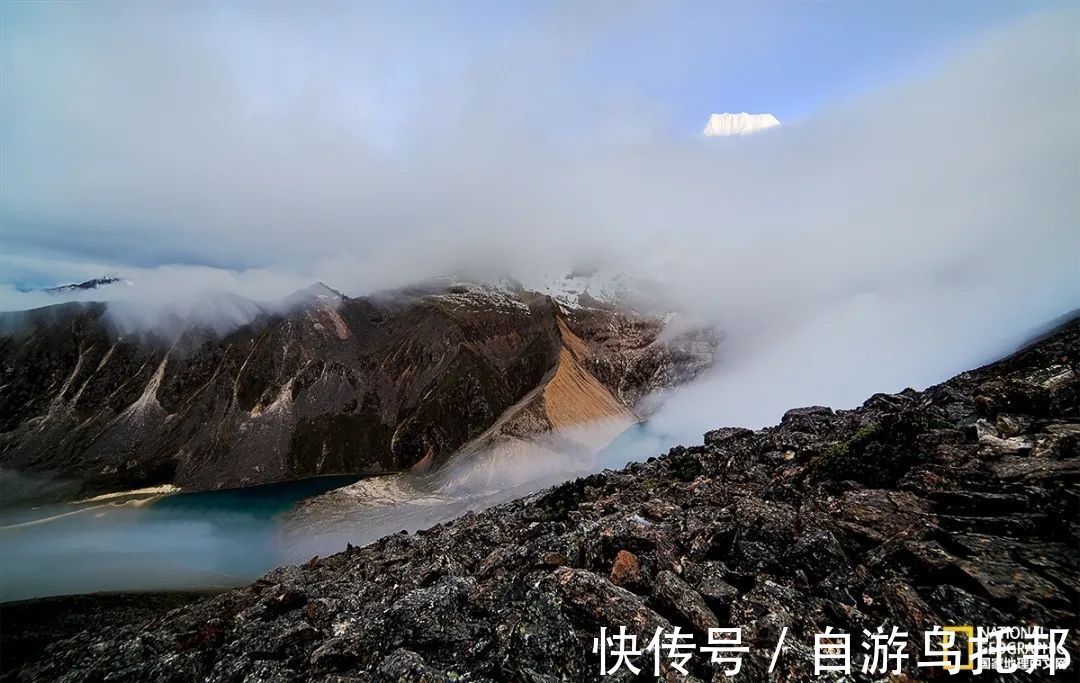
<point x="322" y="383"/>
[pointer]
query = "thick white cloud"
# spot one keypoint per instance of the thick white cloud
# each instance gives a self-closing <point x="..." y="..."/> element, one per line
<point x="891" y="240"/>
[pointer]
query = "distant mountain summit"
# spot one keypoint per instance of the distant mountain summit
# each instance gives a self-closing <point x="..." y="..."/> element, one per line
<point x="94" y="283"/>
<point x="720" y="125"/>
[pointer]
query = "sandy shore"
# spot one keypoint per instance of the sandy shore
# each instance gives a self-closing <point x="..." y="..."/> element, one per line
<point x="130" y="498"/>
<point x="163" y="490"/>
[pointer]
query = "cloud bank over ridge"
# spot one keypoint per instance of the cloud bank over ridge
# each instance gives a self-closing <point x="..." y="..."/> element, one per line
<point x="890" y="240"/>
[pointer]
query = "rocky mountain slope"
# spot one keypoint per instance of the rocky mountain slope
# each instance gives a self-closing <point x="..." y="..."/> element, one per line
<point x="954" y="505"/>
<point x="321" y="384"/>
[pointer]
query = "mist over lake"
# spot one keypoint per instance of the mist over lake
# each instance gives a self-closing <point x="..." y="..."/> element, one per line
<point x="216" y="539"/>
<point x="188" y="540"/>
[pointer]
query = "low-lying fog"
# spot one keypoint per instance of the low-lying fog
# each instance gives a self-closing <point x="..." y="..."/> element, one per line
<point x="146" y="541"/>
<point x="142" y="541"/>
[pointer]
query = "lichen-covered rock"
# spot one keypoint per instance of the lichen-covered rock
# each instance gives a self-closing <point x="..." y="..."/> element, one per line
<point x="405" y="666"/>
<point x="625" y="571"/>
<point x="673" y="595"/>
<point x="711" y="584"/>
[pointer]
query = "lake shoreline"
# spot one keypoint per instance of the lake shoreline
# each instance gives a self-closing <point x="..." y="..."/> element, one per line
<point x="157" y="542"/>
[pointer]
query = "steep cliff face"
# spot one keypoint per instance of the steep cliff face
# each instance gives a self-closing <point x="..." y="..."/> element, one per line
<point x="322" y="384"/>
<point x="570" y="404"/>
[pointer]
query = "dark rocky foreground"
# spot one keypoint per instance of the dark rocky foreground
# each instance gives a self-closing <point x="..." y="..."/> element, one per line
<point x="27" y="627"/>
<point x="955" y="505"/>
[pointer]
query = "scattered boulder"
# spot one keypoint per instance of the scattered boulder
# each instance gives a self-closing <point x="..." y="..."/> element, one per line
<point x="712" y="586"/>
<point x="625" y="571"/>
<point x="675" y="597"/>
<point x="818" y="553"/>
<point x="719" y="437"/>
<point x="405" y="666"/>
<point x="1012" y="425"/>
<point x="812" y="419"/>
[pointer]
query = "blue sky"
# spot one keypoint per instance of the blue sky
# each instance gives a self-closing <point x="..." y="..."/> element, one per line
<point x="686" y="59"/>
<point x="791" y="59"/>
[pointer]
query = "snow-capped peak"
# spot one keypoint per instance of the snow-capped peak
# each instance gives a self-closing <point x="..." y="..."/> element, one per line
<point x="738" y="124"/>
<point x="570" y="290"/>
<point x="95" y="283"/>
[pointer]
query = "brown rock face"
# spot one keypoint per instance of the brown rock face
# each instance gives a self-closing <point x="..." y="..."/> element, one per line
<point x="625" y="571"/>
<point x="325" y="384"/>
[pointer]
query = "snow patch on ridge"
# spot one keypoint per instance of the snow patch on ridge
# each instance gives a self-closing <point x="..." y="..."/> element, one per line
<point x="570" y="290"/>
